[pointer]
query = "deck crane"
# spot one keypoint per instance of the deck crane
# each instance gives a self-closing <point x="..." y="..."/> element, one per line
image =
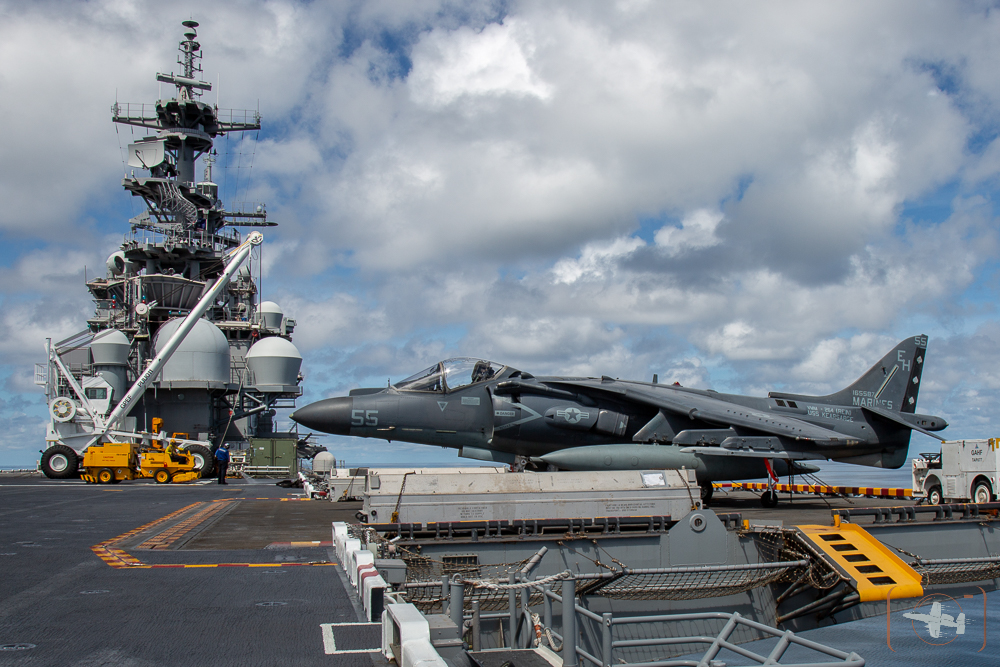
<point x="65" y="458"/>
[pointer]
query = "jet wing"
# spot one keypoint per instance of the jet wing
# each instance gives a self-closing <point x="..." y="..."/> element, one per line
<point x="714" y="411"/>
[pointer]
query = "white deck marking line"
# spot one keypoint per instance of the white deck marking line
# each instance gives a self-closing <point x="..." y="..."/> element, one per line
<point x="330" y="644"/>
<point x="342" y="625"/>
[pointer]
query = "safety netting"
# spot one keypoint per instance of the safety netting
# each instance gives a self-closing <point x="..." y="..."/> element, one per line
<point x="956" y="570"/>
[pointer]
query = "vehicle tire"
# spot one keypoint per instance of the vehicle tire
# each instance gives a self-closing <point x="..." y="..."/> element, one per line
<point x="706" y="492"/>
<point x="934" y="495"/>
<point x="162" y="476"/>
<point x="105" y="476"/>
<point x="204" y="462"/>
<point x="60" y="462"/>
<point x="982" y="493"/>
<point x="769" y="499"/>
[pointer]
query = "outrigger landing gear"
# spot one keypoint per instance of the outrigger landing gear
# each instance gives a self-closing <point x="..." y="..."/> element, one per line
<point x="706" y="492"/>
<point x="770" y="497"/>
<point x="519" y="464"/>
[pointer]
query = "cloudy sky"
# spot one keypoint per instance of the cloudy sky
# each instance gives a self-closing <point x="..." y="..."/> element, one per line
<point x="739" y="196"/>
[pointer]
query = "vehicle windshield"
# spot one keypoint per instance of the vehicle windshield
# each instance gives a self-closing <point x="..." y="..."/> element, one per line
<point x="451" y="374"/>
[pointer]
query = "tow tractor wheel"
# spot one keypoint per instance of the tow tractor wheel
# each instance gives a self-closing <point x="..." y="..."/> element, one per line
<point x="934" y="495"/>
<point x="105" y="476"/>
<point x="982" y="493"/>
<point x="204" y="462"/>
<point x="60" y="462"/>
<point x="769" y="499"/>
<point x="162" y="476"/>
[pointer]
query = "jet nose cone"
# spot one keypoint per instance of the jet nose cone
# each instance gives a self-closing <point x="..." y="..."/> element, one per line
<point x="332" y="415"/>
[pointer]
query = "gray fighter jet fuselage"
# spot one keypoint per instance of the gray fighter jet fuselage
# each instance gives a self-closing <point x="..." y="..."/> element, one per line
<point x="492" y="412"/>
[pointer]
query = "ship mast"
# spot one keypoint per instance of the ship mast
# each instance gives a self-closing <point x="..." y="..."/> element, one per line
<point x="185" y="130"/>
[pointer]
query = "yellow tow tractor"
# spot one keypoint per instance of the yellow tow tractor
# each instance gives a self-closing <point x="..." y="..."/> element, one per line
<point x="112" y="462"/>
<point x="109" y="463"/>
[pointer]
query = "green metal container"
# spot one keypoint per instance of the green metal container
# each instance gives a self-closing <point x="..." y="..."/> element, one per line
<point x="272" y="457"/>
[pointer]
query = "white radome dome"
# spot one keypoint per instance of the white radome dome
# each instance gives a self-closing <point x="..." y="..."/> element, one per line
<point x="271" y="314"/>
<point x="203" y="356"/>
<point x="274" y="361"/>
<point x="324" y="462"/>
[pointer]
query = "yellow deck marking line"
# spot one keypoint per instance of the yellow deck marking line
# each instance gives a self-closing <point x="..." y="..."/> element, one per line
<point x="119" y="558"/>
<point x="171" y="535"/>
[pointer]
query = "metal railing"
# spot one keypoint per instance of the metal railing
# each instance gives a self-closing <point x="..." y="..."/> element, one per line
<point x="222" y="240"/>
<point x="519" y="616"/>
<point x="664" y="583"/>
<point x="267" y="471"/>
<point x="908" y="513"/>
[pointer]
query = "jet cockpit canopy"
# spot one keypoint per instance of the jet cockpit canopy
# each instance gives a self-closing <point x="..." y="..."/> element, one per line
<point x="451" y="374"/>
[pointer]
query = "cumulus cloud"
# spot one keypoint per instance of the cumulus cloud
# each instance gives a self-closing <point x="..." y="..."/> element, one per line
<point x="731" y="197"/>
<point x="469" y="64"/>
<point x="696" y="231"/>
<point x="596" y="260"/>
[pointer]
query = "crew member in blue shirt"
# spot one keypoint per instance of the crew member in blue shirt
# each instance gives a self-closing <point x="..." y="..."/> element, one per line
<point x="222" y="461"/>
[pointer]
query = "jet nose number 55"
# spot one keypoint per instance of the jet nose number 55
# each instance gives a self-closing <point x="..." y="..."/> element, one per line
<point x="364" y="417"/>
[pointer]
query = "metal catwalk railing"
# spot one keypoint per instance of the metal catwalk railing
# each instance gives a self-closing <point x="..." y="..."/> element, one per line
<point x="519" y="617"/>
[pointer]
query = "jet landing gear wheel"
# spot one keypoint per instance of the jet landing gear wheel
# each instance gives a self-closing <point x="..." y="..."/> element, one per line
<point x="769" y="499"/>
<point x="162" y="476"/>
<point x="706" y="492"/>
<point x="60" y="462"/>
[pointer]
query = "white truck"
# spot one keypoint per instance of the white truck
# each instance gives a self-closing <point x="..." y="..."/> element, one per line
<point x="964" y="470"/>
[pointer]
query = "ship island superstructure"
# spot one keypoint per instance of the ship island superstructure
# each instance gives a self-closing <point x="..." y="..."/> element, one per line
<point x="238" y="364"/>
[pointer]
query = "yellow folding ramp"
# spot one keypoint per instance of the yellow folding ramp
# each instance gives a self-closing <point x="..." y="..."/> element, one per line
<point x="875" y="571"/>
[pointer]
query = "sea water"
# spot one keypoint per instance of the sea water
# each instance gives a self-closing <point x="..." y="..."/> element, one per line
<point x="958" y="631"/>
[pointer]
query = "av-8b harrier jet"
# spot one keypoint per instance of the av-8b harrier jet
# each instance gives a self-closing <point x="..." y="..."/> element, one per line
<point x="493" y="412"/>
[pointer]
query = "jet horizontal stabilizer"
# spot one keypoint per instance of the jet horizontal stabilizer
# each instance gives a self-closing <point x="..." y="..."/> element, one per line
<point x="899" y="418"/>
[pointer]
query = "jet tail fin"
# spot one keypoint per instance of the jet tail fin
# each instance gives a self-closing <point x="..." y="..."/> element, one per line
<point x="892" y="384"/>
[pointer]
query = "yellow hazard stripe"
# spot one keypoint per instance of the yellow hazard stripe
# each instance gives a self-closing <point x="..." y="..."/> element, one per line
<point x="883" y="492"/>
